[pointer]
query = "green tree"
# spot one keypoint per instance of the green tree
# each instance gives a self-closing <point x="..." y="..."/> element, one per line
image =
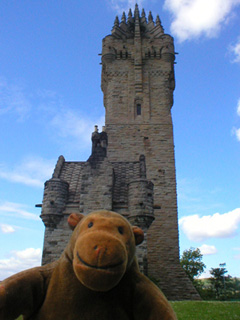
<point x="191" y="261"/>
<point x="218" y="281"/>
<point x="233" y="286"/>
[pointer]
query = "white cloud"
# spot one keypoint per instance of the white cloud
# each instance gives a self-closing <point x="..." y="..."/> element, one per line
<point x="237" y="256"/>
<point x="6" y="228"/>
<point x="235" y="50"/>
<point x="218" y="225"/>
<point x="19" y="178"/>
<point x="62" y="123"/>
<point x="124" y="5"/>
<point x="205" y="275"/>
<point x="69" y="124"/>
<point x="47" y="94"/>
<point x="238" y="107"/>
<point x="194" y="18"/>
<point x="14" y="99"/>
<point x="19" y="261"/>
<point x="236" y="132"/>
<point x="32" y="171"/>
<point x="194" y="196"/>
<point x="207" y="249"/>
<point x="187" y="189"/>
<point x="17" y="210"/>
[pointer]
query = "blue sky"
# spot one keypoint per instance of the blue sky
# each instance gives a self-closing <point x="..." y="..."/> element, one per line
<point x="50" y="100"/>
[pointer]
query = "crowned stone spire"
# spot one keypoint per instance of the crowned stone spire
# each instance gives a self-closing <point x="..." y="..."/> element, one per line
<point x="123" y="20"/>
<point x="137" y="22"/>
<point x="137" y="53"/>
<point x="136" y="12"/>
<point x="136" y="25"/>
<point x="159" y="24"/>
<point x="143" y="17"/>
<point x="116" y="22"/>
<point x="129" y="16"/>
<point x="150" y="17"/>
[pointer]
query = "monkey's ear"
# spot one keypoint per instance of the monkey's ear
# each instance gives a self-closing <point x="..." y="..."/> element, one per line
<point x="73" y="219"/>
<point x="138" y="234"/>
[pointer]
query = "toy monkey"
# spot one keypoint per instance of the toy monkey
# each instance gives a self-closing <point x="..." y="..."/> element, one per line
<point x="96" y="278"/>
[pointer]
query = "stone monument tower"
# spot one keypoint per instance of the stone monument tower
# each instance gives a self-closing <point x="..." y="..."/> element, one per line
<point x="132" y="167"/>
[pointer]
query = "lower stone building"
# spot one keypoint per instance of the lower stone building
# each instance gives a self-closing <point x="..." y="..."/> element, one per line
<point x="92" y="185"/>
<point x="95" y="184"/>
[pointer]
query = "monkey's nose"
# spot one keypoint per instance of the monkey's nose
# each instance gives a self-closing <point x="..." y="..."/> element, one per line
<point x="99" y="250"/>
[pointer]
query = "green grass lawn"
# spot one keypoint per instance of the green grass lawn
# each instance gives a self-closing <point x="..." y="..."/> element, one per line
<point x="204" y="310"/>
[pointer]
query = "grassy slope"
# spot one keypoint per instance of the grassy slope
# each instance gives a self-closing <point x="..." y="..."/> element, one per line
<point x="204" y="310"/>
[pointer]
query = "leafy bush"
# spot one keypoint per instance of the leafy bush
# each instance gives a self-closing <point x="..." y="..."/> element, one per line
<point x="228" y="291"/>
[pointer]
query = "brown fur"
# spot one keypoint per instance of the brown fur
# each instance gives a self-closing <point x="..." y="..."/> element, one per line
<point x="96" y="277"/>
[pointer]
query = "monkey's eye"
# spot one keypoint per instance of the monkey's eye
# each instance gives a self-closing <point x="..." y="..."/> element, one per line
<point x="90" y="224"/>
<point x="120" y="230"/>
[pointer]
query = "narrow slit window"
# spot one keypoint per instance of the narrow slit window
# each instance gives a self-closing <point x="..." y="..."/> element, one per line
<point x="139" y="109"/>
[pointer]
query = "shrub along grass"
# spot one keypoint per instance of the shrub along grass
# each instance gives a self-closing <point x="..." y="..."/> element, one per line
<point x="204" y="310"/>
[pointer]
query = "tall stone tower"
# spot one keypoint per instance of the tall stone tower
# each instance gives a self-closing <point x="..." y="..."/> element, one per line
<point x="132" y="167"/>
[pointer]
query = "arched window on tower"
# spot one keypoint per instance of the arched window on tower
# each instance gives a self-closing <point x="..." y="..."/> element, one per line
<point x="138" y="109"/>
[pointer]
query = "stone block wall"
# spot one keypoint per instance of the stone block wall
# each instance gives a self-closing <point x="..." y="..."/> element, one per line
<point x="55" y="240"/>
<point x="96" y="187"/>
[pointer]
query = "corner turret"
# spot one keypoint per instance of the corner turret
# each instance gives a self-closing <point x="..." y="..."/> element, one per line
<point x="54" y="201"/>
<point x="55" y="197"/>
<point x="140" y="206"/>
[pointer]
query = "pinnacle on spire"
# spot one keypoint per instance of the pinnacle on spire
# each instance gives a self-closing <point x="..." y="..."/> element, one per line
<point x="159" y="24"/>
<point x="143" y="17"/>
<point x="123" y="20"/>
<point x="137" y="22"/>
<point x="116" y="22"/>
<point x="129" y="16"/>
<point x="150" y="17"/>
<point x="136" y="11"/>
